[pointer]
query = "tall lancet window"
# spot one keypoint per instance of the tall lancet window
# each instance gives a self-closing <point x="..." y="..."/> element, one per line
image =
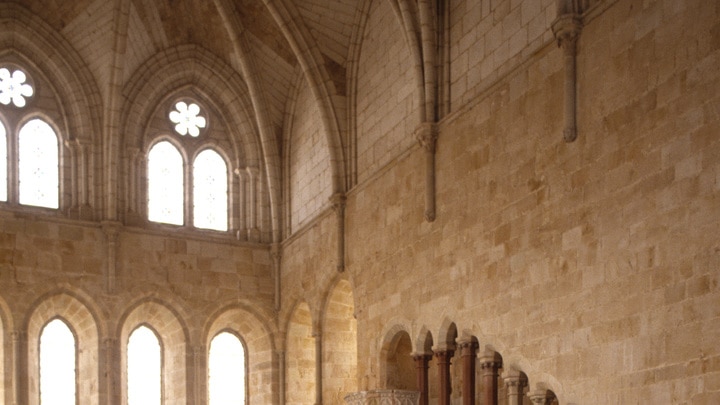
<point x="38" y="164"/>
<point x="144" y="368"/>
<point x="57" y="364"/>
<point x="3" y="163"/>
<point x="210" y="191"/>
<point x="226" y="370"/>
<point x="165" y="184"/>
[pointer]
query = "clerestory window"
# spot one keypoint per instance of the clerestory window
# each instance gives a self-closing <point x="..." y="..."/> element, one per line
<point x="29" y="146"/>
<point x="179" y="193"/>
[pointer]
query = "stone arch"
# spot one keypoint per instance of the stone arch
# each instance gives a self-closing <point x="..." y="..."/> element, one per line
<point x="79" y="100"/>
<point x="85" y="328"/>
<point x="447" y="335"/>
<point x="173" y="336"/>
<point x="300" y="357"/>
<point x="397" y="369"/>
<point x="377" y="133"/>
<point x="305" y="151"/>
<point x="339" y="337"/>
<point x="190" y="70"/>
<point x="257" y="338"/>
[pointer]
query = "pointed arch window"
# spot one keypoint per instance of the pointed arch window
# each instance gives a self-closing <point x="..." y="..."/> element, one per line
<point x="227" y="370"/>
<point x="57" y="364"/>
<point x="165" y="184"/>
<point x="179" y="193"/>
<point x="210" y="191"/>
<point x="29" y="146"/>
<point x="144" y="367"/>
<point x="3" y="163"/>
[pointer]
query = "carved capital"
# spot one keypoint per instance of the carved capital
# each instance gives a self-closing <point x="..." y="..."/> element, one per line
<point x="427" y="135"/>
<point x="338" y="201"/>
<point x="18" y="335"/>
<point x="541" y="397"/>
<point x="275" y="251"/>
<point x="566" y="29"/>
<point x="468" y="347"/>
<point x="253" y="172"/>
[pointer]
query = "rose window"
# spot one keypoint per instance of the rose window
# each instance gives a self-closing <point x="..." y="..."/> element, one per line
<point x="13" y="87"/>
<point x="187" y="119"/>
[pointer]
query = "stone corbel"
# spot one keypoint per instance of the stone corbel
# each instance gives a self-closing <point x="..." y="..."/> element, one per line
<point x="111" y="229"/>
<point x="427" y="135"/>
<point x="338" y="204"/>
<point x="566" y="28"/>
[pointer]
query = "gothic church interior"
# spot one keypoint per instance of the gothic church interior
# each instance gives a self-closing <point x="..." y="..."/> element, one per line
<point x="482" y="201"/>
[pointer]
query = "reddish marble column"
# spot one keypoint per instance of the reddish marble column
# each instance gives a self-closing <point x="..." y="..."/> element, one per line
<point x="490" y="363"/>
<point x="468" y="353"/>
<point x="421" y="365"/>
<point x="443" y="360"/>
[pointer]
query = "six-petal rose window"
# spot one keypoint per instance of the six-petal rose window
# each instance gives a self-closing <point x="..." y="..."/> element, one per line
<point x="13" y="87"/>
<point x="187" y="119"/>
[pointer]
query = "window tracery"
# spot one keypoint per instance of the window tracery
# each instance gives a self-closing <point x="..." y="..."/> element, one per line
<point x="179" y="193"/>
<point x="29" y="146"/>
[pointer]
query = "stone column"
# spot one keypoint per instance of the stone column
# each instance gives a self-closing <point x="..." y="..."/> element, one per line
<point x="421" y="366"/>
<point x="541" y="397"/>
<point x="253" y="178"/>
<point x="20" y="354"/>
<point x="515" y="383"/>
<point x="490" y="362"/>
<point x="338" y="204"/>
<point x="427" y="134"/>
<point x="111" y="230"/>
<point x="281" y="376"/>
<point x="241" y="225"/>
<point x="276" y="255"/>
<point x="468" y="353"/>
<point x="567" y="29"/>
<point x="110" y="367"/>
<point x="443" y="361"/>
<point x="318" y="366"/>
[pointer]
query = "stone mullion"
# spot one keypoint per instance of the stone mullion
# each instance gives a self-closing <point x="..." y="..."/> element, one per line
<point x="421" y="367"/>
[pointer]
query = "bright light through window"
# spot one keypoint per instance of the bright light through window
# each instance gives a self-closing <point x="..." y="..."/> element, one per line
<point x="187" y="119"/>
<point x="210" y="191"/>
<point x="227" y="370"/>
<point x="38" y="164"/>
<point x="165" y="184"/>
<point x="13" y="87"/>
<point x="57" y="364"/>
<point x="3" y="163"/>
<point x="144" y="368"/>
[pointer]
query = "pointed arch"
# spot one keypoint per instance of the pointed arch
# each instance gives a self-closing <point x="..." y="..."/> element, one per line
<point x="397" y="369"/>
<point x="258" y="336"/>
<point x="173" y="336"/>
<point x="63" y="305"/>
<point x="339" y="357"/>
<point x="309" y="57"/>
<point x="300" y="364"/>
